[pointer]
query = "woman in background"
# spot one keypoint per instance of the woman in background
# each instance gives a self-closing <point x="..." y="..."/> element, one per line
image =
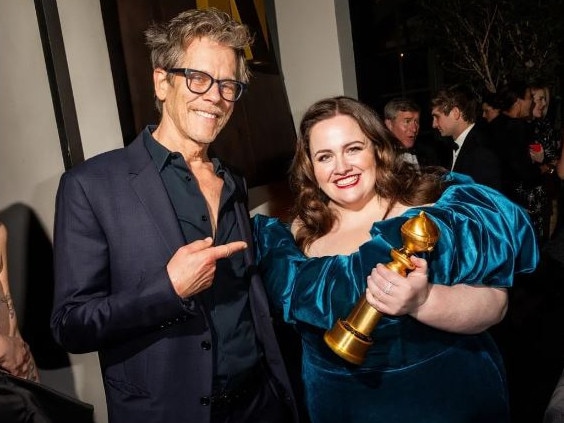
<point x="545" y="151"/>
<point x="490" y="107"/>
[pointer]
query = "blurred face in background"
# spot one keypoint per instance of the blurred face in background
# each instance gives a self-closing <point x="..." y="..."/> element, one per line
<point x="489" y="112"/>
<point x="540" y="102"/>
<point x="447" y="124"/>
<point x="405" y="126"/>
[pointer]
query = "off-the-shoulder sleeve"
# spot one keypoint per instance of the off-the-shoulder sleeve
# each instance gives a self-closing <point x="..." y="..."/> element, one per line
<point x="314" y="290"/>
<point x="484" y="237"/>
<point x="278" y="258"/>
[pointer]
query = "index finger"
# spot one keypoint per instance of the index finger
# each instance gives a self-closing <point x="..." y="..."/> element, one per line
<point x="226" y="250"/>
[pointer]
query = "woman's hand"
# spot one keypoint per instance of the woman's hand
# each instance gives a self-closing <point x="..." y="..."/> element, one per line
<point x="393" y="294"/>
<point x="16" y="358"/>
<point x="536" y="151"/>
<point x="458" y="308"/>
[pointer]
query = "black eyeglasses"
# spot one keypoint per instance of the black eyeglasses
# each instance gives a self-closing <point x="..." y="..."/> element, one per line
<point x="200" y="82"/>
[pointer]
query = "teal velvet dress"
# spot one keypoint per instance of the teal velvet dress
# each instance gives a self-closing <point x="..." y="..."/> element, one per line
<point x="413" y="373"/>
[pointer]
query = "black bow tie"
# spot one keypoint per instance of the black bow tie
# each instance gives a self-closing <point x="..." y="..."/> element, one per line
<point x="454" y="146"/>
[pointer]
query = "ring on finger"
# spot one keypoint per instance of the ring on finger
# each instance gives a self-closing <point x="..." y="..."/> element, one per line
<point x="388" y="288"/>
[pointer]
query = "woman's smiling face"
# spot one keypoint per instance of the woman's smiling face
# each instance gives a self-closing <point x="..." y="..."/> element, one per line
<point x="343" y="161"/>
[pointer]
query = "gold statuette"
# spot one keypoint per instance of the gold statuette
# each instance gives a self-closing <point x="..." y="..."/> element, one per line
<point x="350" y="338"/>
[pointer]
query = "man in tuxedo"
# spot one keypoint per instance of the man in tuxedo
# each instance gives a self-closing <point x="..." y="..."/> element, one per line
<point x="153" y="251"/>
<point x="454" y="111"/>
<point x="401" y="116"/>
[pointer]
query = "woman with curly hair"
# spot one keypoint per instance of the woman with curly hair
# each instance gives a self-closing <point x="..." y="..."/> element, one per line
<point x="432" y="359"/>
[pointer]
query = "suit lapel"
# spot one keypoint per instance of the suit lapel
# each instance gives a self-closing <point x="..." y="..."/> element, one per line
<point x="148" y="185"/>
<point x="466" y="148"/>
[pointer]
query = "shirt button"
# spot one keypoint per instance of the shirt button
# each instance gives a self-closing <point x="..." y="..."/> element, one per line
<point x="204" y="218"/>
<point x="206" y="345"/>
<point x="205" y="401"/>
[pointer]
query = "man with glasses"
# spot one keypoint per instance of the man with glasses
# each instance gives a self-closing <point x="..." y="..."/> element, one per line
<point x="153" y="255"/>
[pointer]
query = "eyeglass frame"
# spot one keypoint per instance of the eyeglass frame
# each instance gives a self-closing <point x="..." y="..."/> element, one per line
<point x="187" y="71"/>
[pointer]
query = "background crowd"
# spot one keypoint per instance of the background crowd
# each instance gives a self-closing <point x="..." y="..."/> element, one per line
<point x="513" y="141"/>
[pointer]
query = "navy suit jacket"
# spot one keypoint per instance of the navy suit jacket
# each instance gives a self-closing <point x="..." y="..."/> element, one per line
<point x="115" y="231"/>
<point x="478" y="160"/>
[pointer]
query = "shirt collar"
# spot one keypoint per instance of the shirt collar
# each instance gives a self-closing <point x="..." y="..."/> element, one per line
<point x="462" y="137"/>
<point x="162" y="156"/>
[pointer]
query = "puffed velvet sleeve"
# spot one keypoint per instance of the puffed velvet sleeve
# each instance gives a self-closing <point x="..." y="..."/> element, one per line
<point x="278" y="258"/>
<point x="484" y="237"/>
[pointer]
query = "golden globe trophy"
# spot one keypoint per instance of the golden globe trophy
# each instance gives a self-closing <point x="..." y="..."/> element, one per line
<point x="350" y="338"/>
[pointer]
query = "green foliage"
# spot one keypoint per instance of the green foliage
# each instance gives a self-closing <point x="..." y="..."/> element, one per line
<point x="488" y="42"/>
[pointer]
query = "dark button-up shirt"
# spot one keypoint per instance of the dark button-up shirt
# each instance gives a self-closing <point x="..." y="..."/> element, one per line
<point x="227" y="300"/>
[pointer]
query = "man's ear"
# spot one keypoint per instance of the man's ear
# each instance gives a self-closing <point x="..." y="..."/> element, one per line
<point x="161" y="83"/>
<point x="388" y="123"/>
<point x="456" y="113"/>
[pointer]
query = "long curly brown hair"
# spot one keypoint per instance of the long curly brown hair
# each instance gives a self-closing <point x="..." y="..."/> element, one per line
<point x="397" y="180"/>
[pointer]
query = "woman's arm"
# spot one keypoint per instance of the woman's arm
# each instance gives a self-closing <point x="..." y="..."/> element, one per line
<point x="459" y="308"/>
<point x="15" y="356"/>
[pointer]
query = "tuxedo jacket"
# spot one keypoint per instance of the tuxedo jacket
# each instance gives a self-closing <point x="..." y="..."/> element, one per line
<point x="115" y="231"/>
<point x="478" y="160"/>
<point x="511" y="138"/>
<point x="428" y="151"/>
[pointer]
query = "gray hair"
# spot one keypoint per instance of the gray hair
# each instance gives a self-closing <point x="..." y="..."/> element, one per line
<point x="168" y="41"/>
<point x="400" y="104"/>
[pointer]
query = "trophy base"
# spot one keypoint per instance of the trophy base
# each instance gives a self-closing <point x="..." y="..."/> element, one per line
<point x="347" y="343"/>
